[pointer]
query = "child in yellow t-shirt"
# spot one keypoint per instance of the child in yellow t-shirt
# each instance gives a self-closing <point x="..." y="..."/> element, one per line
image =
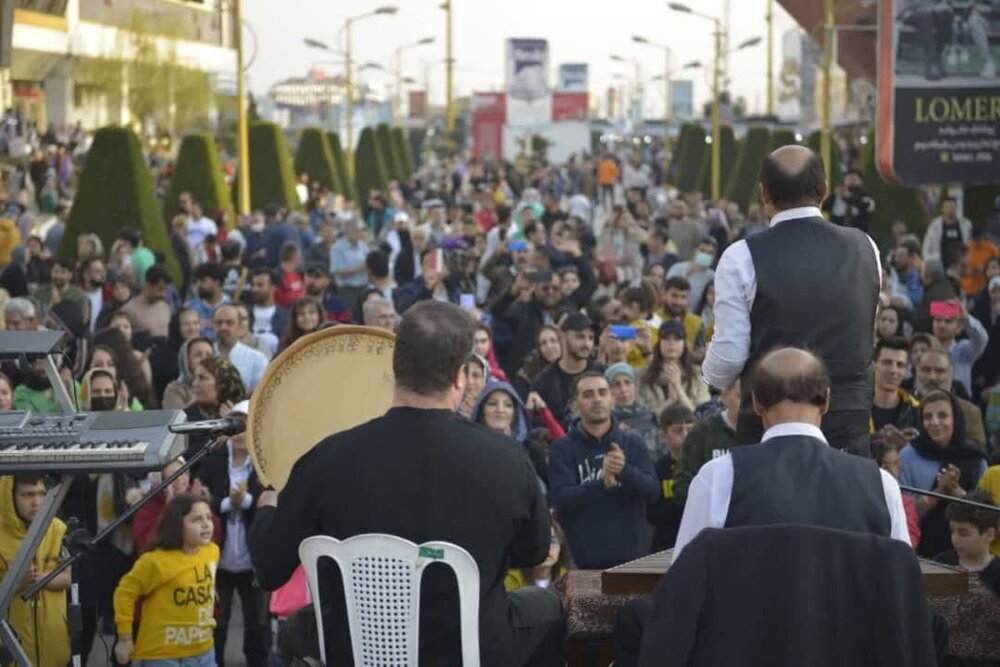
<point x="176" y="583"/>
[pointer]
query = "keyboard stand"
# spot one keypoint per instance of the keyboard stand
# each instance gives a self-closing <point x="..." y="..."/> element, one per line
<point x="36" y="531"/>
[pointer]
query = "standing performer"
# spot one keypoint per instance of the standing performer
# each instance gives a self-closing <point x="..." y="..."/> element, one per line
<point x="423" y="472"/>
<point x="803" y="282"/>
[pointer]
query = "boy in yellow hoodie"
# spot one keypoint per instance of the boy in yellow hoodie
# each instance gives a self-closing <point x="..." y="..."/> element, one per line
<point x="176" y="583"/>
<point x="41" y="621"/>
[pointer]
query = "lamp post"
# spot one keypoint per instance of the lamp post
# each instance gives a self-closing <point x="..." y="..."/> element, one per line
<point x="829" y="35"/>
<point x="449" y="109"/>
<point x="347" y="52"/>
<point x="667" y="55"/>
<point x="636" y="79"/>
<point x="770" y="57"/>
<point x="243" y="151"/>
<point x="716" y="74"/>
<point x="398" y="63"/>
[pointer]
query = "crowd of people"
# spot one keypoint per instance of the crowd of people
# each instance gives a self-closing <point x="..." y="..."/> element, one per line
<point x="594" y="305"/>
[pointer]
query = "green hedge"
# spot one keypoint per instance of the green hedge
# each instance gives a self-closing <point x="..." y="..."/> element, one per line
<point x="403" y="151"/>
<point x="834" y="174"/>
<point x="892" y="201"/>
<point x="115" y="191"/>
<point x="199" y="171"/>
<point x="690" y="154"/>
<point x="979" y="201"/>
<point x="727" y="159"/>
<point x="781" y="137"/>
<point x="340" y="164"/>
<point x="314" y="157"/>
<point x="370" y="172"/>
<point x="272" y="180"/>
<point x="741" y="185"/>
<point x="387" y="149"/>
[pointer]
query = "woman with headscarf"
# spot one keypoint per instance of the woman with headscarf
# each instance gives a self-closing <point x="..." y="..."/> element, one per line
<point x="164" y="357"/>
<point x="940" y="459"/>
<point x="215" y="389"/>
<point x="179" y="393"/>
<point x="500" y="409"/>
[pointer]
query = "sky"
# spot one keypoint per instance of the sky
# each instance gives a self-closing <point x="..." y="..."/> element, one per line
<point x="577" y="31"/>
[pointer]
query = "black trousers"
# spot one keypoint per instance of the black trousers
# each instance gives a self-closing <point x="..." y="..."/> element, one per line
<point x="539" y="624"/>
<point x="848" y="430"/>
<point x="251" y="601"/>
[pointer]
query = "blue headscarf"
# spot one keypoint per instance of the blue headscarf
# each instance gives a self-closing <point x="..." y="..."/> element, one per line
<point x="521" y="426"/>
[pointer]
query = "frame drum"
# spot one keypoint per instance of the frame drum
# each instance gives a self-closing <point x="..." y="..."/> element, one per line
<point x="326" y="382"/>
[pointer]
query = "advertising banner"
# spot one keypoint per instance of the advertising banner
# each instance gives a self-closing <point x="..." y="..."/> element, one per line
<point x="570" y="106"/>
<point x="681" y="99"/>
<point x="529" y="101"/>
<point x="938" y="91"/>
<point x="418" y="103"/>
<point x="573" y="77"/>
<point x="488" y="115"/>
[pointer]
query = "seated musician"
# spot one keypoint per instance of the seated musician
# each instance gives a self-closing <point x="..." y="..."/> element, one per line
<point x="422" y="472"/>
<point x="792" y="476"/>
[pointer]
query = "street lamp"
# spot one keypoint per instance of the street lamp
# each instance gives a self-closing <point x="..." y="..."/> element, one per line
<point x="243" y="149"/>
<point x="637" y="78"/>
<point x="387" y="10"/>
<point x="449" y="109"/>
<point x="716" y="123"/>
<point x="398" y="66"/>
<point x="667" y="54"/>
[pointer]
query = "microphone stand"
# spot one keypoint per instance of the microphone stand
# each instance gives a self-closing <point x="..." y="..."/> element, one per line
<point x="951" y="499"/>
<point x="83" y="545"/>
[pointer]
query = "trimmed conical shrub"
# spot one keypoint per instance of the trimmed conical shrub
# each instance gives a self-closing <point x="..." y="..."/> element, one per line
<point x="834" y="172"/>
<point x="741" y="185"/>
<point x="314" y="157"/>
<point x="199" y="171"/>
<point x="403" y="150"/>
<point x="369" y="170"/>
<point x="272" y="180"/>
<point x="892" y="201"/>
<point x="387" y="149"/>
<point x="727" y="158"/>
<point x="781" y="137"/>
<point x="690" y="153"/>
<point x="980" y="201"/>
<point x="115" y="191"/>
<point x="340" y="164"/>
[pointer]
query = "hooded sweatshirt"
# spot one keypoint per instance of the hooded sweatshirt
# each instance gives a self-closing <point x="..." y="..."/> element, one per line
<point x="605" y="527"/>
<point x="519" y="429"/>
<point x="178" y="394"/>
<point x="40" y="621"/>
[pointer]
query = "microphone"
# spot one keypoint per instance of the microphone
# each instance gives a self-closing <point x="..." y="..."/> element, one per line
<point x="225" y="426"/>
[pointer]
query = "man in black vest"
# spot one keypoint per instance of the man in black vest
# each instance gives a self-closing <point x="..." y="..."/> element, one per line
<point x="803" y="282"/>
<point x="792" y="476"/>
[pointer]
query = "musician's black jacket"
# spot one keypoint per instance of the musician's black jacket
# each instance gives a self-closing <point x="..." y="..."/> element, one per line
<point x="423" y="475"/>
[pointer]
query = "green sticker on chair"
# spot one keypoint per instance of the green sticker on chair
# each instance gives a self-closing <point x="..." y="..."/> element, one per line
<point x="427" y="552"/>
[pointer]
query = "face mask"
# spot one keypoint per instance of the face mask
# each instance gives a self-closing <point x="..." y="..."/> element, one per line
<point x="205" y="293"/>
<point x="703" y="259"/>
<point x="257" y="226"/>
<point x="103" y="403"/>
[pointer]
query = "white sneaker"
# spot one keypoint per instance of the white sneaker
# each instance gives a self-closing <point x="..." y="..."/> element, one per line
<point x="989" y="70"/>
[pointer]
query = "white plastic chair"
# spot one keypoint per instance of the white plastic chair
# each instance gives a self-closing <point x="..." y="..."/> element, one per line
<point x="381" y="575"/>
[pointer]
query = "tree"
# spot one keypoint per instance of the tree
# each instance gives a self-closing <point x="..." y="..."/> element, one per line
<point x="387" y="149"/>
<point x="741" y="185"/>
<point x="115" y="192"/>
<point x="271" y="178"/>
<point x="834" y="172"/>
<point x="403" y="150"/>
<point x="690" y="153"/>
<point x="198" y="171"/>
<point x="315" y="158"/>
<point x="892" y="201"/>
<point x="980" y="200"/>
<point x="781" y="137"/>
<point x="340" y="164"/>
<point x="727" y="158"/>
<point x="369" y="169"/>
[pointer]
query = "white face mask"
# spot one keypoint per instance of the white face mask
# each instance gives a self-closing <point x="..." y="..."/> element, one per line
<point x="703" y="259"/>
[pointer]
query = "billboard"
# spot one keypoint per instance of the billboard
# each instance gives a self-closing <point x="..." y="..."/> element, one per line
<point x="418" y="103"/>
<point x="570" y="106"/>
<point x="938" y="92"/>
<point x="573" y="77"/>
<point x="681" y="99"/>
<point x="488" y="115"/>
<point x="529" y="101"/>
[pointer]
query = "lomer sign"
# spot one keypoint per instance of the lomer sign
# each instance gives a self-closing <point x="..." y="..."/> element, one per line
<point x="938" y="92"/>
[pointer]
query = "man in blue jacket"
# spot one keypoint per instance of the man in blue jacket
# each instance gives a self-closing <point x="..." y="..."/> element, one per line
<point x="600" y="479"/>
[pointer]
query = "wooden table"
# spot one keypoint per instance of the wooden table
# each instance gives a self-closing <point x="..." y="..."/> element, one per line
<point x="640" y="576"/>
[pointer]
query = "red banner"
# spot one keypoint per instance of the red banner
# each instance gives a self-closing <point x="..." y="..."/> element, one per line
<point x="570" y="106"/>
<point x="489" y="113"/>
<point x="418" y="103"/>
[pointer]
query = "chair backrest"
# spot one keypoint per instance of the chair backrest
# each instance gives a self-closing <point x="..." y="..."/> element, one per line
<point x="381" y="575"/>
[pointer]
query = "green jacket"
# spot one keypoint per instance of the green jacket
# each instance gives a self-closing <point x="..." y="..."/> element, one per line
<point x="707" y="440"/>
<point x="44" y="297"/>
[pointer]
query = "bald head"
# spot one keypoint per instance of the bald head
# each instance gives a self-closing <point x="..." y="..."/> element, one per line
<point x="792" y="176"/>
<point x="790" y="384"/>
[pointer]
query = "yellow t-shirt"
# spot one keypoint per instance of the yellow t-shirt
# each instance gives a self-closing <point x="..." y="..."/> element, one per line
<point x="178" y="603"/>
<point x="990" y="482"/>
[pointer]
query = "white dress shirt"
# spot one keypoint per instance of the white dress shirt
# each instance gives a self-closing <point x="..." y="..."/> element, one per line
<point x="735" y="290"/>
<point x="710" y="491"/>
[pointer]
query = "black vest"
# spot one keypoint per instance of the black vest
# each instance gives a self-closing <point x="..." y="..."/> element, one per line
<point x="798" y="479"/>
<point x="817" y="288"/>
